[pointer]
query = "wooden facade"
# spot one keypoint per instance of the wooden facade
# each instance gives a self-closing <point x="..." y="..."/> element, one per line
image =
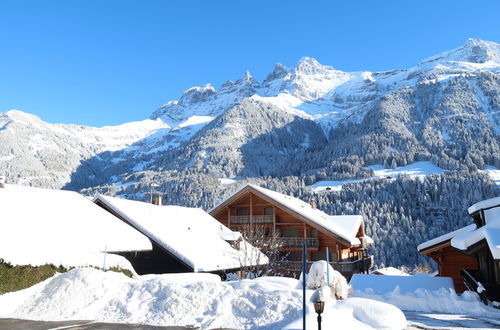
<point x="252" y="207"/>
<point x="450" y="262"/>
<point x="467" y="256"/>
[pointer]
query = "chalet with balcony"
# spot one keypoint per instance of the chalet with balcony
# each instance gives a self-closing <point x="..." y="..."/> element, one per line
<point x="296" y="222"/>
<point x="474" y="251"/>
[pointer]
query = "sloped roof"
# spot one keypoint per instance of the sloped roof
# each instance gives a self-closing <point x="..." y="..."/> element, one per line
<point x="444" y="238"/>
<point x="492" y="202"/>
<point x="489" y="232"/>
<point x="466" y="237"/>
<point x="44" y="226"/>
<point x="345" y="227"/>
<point x="190" y="234"/>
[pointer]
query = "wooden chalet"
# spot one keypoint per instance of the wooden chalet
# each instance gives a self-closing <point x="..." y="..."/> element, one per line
<point x="296" y="222"/>
<point x="183" y="239"/>
<point x="474" y="251"/>
<point x="450" y="261"/>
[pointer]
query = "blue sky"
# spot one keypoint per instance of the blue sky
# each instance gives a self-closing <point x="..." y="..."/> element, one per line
<point x="109" y="62"/>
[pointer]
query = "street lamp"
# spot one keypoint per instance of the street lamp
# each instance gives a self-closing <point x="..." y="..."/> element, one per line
<point x="319" y="306"/>
<point x="318" y="298"/>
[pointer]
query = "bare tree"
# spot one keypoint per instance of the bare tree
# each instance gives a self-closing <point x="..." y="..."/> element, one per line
<point x="265" y="240"/>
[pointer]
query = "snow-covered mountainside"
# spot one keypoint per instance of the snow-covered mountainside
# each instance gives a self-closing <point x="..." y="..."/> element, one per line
<point x="46" y="154"/>
<point x="299" y="126"/>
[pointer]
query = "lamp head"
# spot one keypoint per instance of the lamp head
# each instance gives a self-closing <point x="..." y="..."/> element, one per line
<point x="319" y="306"/>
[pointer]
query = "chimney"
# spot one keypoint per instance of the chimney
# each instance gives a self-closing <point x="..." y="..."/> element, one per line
<point x="313" y="204"/>
<point x="157" y="200"/>
<point x="2" y="181"/>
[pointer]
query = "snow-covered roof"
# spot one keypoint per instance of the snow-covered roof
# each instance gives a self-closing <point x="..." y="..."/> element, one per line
<point x="190" y="234"/>
<point x="44" y="226"/>
<point x="445" y="237"/>
<point x="489" y="232"/>
<point x="390" y="271"/>
<point x="492" y="202"/>
<point x="343" y="226"/>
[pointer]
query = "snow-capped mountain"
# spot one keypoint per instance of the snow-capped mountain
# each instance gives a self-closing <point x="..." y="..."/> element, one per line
<point x="293" y="110"/>
<point x="298" y="126"/>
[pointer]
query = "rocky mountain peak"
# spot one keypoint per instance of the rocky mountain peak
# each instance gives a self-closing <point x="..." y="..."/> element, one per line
<point x="310" y="66"/>
<point x="197" y="94"/>
<point x="473" y="51"/>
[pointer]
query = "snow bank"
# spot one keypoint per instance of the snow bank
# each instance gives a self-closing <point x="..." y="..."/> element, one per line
<point x="195" y="300"/>
<point x="437" y="301"/>
<point x="383" y="284"/>
<point x="421" y="293"/>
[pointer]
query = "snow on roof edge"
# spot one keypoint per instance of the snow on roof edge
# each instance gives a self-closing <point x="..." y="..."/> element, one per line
<point x="445" y="237"/>
<point x="487" y="203"/>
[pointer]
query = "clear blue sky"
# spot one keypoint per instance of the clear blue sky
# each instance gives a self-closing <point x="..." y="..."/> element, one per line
<point x="107" y="62"/>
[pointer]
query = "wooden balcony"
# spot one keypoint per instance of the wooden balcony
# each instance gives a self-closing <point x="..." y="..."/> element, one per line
<point x="247" y="219"/>
<point x="346" y="268"/>
<point x="298" y="241"/>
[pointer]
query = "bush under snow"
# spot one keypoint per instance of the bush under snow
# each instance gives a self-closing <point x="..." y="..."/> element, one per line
<point x="319" y="277"/>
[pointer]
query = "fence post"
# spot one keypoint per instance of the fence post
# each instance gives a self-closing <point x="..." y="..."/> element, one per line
<point x="304" y="269"/>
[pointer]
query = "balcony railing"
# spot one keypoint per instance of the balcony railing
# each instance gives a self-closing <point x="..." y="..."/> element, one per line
<point x="347" y="268"/>
<point x="353" y="267"/>
<point x="298" y="241"/>
<point x="247" y="219"/>
<point x="472" y="283"/>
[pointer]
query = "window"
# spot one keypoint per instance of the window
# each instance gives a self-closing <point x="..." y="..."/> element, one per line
<point x="241" y="211"/>
<point x="289" y="233"/>
<point x="268" y="211"/>
<point x="314" y="233"/>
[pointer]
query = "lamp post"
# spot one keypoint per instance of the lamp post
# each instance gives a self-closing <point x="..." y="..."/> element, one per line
<point x="319" y="306"/>
<point x="318" y="298"/>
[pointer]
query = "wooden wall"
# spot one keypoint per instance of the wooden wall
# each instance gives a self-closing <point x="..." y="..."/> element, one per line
<point x="451" y="262"/>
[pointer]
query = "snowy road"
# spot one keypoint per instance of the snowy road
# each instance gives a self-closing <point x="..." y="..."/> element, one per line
<point x="421" y="320"/>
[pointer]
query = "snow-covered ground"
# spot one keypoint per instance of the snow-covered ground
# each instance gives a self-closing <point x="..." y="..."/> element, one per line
<point x="428" y="303"/>
<point x="493" y="172"/>
<point x="415" y="170"/>
<point x="195" y="300"/>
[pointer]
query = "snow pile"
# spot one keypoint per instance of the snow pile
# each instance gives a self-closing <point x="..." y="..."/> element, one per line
<point x="194" y="300"/>
<point x="405" y="284"/>
<point x="420" y="292"/>
<point x="62" y="228"/>
<point x="319" y="277"/>
<point x="437" y="301"/>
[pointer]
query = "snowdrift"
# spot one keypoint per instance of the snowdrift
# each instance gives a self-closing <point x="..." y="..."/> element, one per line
<point x="197" y="300"/>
